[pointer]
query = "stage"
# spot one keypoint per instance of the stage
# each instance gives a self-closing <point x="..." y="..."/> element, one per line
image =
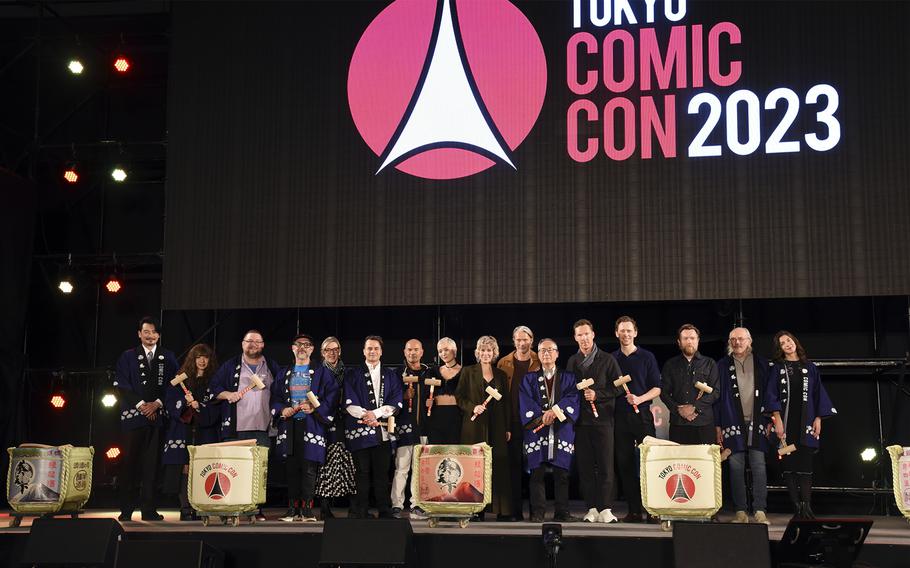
<point x="269" y="543"/>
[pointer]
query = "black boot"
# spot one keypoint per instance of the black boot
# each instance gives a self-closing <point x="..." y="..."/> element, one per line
<point x="805" y="493"/>
<point x="325" y="508"/>
<point x="804" y="511"/>
<point x="793" y="492"/>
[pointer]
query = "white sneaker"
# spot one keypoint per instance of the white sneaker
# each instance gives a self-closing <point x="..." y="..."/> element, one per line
<point x="417" y="514"/>
<point x="592" y="516"/>
<point x="607" y="516"/>
<point x="761" y="517"/>
<point x="741" y="517"/>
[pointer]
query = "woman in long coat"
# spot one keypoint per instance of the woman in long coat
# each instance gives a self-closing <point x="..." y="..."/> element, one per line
<point x="491" y="424"/>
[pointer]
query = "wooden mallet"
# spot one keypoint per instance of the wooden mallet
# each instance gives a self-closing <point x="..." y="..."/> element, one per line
<point x="493" y="393"/>
<point x="312" y="399"/>
<point x="410" y="380"/>
<point x="433" y="383"/>
<point x="584" y="385"/>
<point x="560" y="415"/>
<point x="623" y="382"/>
<point x="255" y="383"/>
<point x="785" y="449"/>
<point x="178" y="380"/>
<point x="389" y="424"/>
<point x="704" y="388"/>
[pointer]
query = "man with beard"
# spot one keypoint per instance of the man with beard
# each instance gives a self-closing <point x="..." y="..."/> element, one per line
<point x="302" y="427"/>
<point x="691" y="412"/>
<point x="246" y="416"/>
<point x="372" y="393"/>
<point x="594" y="434"/>
<point x="139" y="378"/>
<point x="742" y="424"/>
<point x="516" y="365"/>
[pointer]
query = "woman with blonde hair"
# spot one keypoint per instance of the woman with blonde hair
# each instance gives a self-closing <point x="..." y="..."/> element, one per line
<point x="491" y="424"/>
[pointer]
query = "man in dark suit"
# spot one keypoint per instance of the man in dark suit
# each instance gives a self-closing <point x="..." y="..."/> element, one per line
<point x="140" y="377"/>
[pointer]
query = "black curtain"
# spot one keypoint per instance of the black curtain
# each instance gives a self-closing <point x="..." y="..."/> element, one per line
<point x="17" y="217"/>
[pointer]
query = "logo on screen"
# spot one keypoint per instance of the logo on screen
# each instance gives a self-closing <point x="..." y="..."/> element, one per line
<point x="444" y="89"/>
<point x="680" y="488"/>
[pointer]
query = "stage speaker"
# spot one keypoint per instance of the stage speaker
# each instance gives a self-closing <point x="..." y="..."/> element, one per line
<point x="72" y="542"/>
<point x="721" y="545"/>
<point x="170" y="553"/>
<point x="822" y="542"/>
<point x="365" y="542"/>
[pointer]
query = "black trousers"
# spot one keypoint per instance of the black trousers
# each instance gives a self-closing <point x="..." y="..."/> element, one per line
<point x="516" y="469"/>
<point x="372" y="465"/>
<point x="594" y="458"/>
<point x="630" y="430"/>
<point x="301" y="471"/>
<point x="139" y="468"/>
<point x="538" y="489"/>
<point x="692" y="434"/>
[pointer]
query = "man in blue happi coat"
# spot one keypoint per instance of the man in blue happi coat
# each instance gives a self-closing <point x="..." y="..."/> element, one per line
<point x="554" y="443"/>
<point x="742" y="426"/>
<point x="372" y="394"/>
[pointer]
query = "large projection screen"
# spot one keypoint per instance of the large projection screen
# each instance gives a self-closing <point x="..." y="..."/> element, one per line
<point x="472" y="152"/>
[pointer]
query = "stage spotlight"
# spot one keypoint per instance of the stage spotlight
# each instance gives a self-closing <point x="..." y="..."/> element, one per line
<point x="58" y="400"/>
<point x="70" y="174"/>
<point x="113" y="284"/>
<point x="112" y="453"/>
<point x="122" y="64"/>
<point x="868" y="455"/>
<point x="75" y="66"/>
<point x="65" y="285"/>
<point x="108" y="400"/>
<point x="118" y="174"/>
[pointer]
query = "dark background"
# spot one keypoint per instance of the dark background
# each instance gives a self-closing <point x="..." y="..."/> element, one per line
<point x="273" y="201"/>
<point x="824" y="256"/>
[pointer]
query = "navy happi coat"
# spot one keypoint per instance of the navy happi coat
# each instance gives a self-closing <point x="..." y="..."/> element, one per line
<point x="317" y="424"/>
<point x="554" y="444"/>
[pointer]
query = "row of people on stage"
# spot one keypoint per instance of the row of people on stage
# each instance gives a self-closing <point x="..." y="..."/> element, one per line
<point x="332" y="422"/>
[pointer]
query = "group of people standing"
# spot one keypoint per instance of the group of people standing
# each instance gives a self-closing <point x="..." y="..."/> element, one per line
<point x="342" y="429"/>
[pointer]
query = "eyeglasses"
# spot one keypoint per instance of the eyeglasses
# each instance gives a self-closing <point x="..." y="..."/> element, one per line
<point x="254" y="341"/>
<point x="549" y="350"/>
<point x="303" y="344"/>
<point x="332" y="350"/>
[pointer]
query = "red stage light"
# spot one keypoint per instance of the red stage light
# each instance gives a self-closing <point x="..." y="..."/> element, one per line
<point x="112" y="453"/>
<point x="122" y="64"/>
<point x="113" y="285"/>
<point x="58" y="401"/>
<point x="70" y="175"/>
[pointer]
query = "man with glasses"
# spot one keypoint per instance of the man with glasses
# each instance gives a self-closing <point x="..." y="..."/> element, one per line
<point x="303" y="428"/>
<point x="594" y="434"/>
<point x="246" y="416"/>
<point x="742" y="426"/>
<point x="547" y="441"/>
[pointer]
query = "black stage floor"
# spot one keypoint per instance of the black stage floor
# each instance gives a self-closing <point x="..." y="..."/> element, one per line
<point x="274" y="543"/>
